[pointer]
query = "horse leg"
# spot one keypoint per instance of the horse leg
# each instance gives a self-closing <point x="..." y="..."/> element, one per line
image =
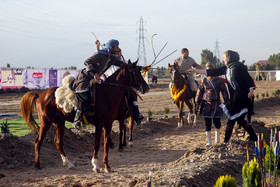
<point x="107" y="138"/>
<point x="121" y="122"/>
<point x="98" y="132"/>
<point x="188" y="103"/>
<point x="39" y="140"/>
<point x="181" y="118"/>
<point x="124" y="133"/>
<point x="131" y="123"/>
<point x="59" y="128"/>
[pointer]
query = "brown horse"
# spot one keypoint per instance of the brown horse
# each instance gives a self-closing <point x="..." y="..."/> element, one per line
<point x="125" y="112"/>
<point x="108" y="97"/>
<point x="182" y="95"/>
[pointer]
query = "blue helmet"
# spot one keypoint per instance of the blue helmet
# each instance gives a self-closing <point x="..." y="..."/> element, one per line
<point x="107" y="47"/>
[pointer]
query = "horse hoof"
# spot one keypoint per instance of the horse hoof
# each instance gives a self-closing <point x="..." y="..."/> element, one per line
<point x="130" y="144"/>
<point x="38" y="172"/>
<point x="112" y="145"/>
<point x="96" y="170"/>
<point x="71" y="166"/>
<point x="120" y="149"/>
<point x="107" y="170"/>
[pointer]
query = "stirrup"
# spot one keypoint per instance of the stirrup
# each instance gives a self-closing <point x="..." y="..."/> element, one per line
<point x="139" y="119"/>
<point x="77" y="125"/>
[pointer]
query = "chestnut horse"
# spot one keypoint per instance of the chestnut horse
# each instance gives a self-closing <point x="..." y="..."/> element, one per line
<point x="108" y="97"/>
<point x="180" y="88"/>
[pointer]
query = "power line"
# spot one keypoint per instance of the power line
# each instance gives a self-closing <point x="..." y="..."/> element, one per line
<point x="141" y="42"/>
<point x="217" y="53"/>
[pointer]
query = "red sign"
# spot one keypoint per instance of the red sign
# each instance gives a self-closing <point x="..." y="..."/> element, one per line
<point x="37" y="75"/>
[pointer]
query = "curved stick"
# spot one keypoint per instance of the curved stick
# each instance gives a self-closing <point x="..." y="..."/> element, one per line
<point x="159" y="53"/>
<point x="152" y="41"/>
<point x="164" y="58"/>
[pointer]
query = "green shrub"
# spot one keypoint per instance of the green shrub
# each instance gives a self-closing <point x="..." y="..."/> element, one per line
<point x="269" y="161"/>
<point x="277" y="92"/>
<point x="149" y="113"/>
<point x="5" y="128"/>
<point x="226" y="181"/>
<point x="266" y="95"/>
<point x="257" y="96"/>
<point x="166" y="110"/>
<point x="263" y="95"/>
<point x="255" y="174"/>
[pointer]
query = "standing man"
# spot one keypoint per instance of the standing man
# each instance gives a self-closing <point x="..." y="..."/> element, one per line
<point x="185" y="62"/>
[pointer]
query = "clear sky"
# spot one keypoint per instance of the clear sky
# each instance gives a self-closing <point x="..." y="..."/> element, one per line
<point x="58" y="33"/>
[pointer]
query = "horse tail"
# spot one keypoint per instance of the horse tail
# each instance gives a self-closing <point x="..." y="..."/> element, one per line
<point x="27" y="105"/>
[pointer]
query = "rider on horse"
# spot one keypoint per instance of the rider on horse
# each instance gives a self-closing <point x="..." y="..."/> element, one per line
<point x="185" y="62"/>
<point x="95" y="66"/>
<point x="129" y="93"/>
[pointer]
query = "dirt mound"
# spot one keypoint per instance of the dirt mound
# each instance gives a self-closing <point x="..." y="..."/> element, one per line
<point x="18" y="152"/>
<point x="203" y="166"/>
<point x="14" y="152"/>
<point x="267" y="102"/>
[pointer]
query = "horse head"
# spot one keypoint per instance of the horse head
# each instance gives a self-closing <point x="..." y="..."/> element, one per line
<point x="174" y="73"/>
<point x="134" y="76"/>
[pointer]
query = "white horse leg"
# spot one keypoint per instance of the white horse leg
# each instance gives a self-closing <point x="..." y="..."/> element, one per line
<point x="194" y="120"/>
<point x="66" y="162"/>
<point x="189" y="118"/>
<point x="179" y="125"/>
<point x="95" y="165"/>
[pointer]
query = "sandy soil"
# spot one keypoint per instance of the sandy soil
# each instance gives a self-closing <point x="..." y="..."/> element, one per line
<point x="175" y="157"/>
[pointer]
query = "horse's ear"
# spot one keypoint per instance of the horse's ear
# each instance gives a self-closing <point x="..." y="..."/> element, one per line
<point x="136" y="61"/>
<point x="168" y="65"/>
<point x="129" y="61"/>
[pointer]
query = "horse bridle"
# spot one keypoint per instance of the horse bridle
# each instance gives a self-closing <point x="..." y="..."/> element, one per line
<point x="130" y="80"/>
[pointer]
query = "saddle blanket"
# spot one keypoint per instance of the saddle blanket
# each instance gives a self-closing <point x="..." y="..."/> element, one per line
<point x="65" y="98"/>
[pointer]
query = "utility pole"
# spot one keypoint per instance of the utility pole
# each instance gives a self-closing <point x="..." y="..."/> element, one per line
<point x="217" y="54"/>
<point x="141" y="42"/>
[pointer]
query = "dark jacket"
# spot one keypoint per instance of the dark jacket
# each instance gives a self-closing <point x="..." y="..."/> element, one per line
<point x="209" y="93"/>
<point x="239" y="82"/>
<point x="97" y="63"/>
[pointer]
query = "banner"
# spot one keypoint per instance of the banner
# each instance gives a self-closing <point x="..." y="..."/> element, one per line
<point x="0" y="80"/>
<point x="62" y="73"/>
<point x="11" y="78"/>
<point x="53" y="78"/>
<point x="36" y="78"/>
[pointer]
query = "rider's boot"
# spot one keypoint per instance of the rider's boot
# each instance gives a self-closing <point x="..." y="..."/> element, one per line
<point x="217" y="135"/>
<point x="208" y="135"/>
<point x="138" y="117"/>
<point x="77" y="124"/>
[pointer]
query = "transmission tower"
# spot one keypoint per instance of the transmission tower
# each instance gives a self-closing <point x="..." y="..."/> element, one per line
<point x="141" y="42"/>
<point x="217" y="53"/>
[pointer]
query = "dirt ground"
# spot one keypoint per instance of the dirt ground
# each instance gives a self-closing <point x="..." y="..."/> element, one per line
<point x="175" y="157"/>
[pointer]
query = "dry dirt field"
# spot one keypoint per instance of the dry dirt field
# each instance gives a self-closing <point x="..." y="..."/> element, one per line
<point x="175" y="157"/>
